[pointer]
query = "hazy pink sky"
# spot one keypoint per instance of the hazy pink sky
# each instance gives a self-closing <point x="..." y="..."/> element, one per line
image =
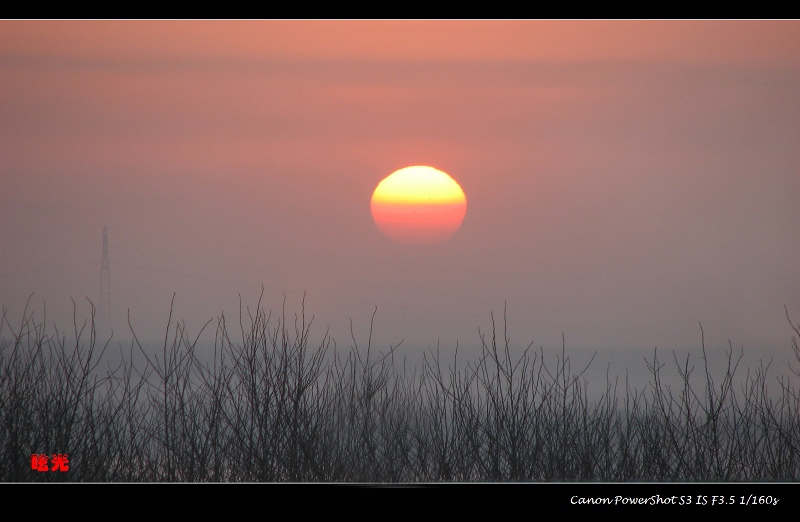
<point x="625" y="179"/>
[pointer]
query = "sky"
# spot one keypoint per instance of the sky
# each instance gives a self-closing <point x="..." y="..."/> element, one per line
<point x="627" y="181"/>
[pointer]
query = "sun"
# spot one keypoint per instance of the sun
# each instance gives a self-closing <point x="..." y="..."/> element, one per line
<point x="418" y="205"/>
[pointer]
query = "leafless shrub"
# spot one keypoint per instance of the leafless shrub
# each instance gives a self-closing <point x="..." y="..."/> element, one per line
<point x="269" y="406"/>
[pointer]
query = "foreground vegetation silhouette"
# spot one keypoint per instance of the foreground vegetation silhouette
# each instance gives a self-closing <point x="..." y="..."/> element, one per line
<point x="271" y="407"/>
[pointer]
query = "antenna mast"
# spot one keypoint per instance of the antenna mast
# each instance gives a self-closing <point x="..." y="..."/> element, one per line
<point x="104" y="313"/>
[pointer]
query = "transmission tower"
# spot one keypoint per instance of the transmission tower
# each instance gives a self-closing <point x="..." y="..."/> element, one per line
<point x="104" y="312"/>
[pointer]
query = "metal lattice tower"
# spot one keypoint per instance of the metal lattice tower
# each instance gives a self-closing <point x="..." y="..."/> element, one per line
<point x="104" y="311"/>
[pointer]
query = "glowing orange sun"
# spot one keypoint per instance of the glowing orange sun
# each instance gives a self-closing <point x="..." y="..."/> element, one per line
<point x="418" y="205"/>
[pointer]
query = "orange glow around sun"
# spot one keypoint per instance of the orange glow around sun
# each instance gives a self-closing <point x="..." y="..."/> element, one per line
<point x="418" y="205"/>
